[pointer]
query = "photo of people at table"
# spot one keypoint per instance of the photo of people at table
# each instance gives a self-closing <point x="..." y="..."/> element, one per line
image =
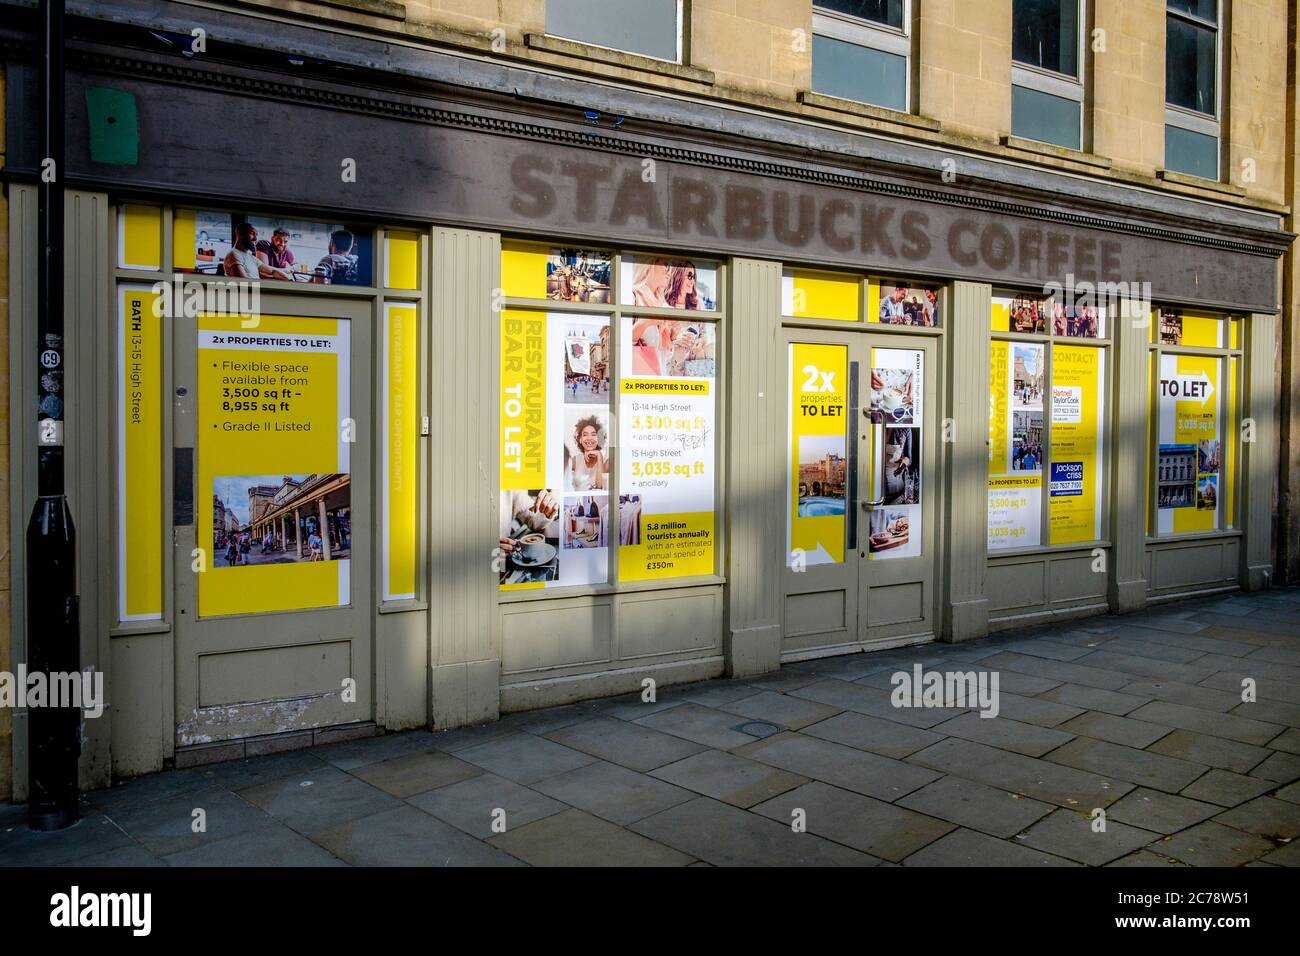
<point x="237" y="246"/>
<point x="1076" y="321"/>
<point x="665" y="282"/>
<point x="673" y="348"/>
<point x="578" y="275"/>
<point x="530" y="536"/>
<point x="902" y="304"/>
<point x="1028" y="314"/>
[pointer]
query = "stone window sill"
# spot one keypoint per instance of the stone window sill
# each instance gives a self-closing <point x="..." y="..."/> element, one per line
<point x="627" y="61"/>
<point x="867" y="110"/>
<point x="1058" y="152"/>
<point x="1182" y="179"/>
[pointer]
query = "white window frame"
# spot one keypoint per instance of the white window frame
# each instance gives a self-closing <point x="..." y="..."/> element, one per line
<point x="874" y="36"/>
<point x="1058" y="84"/>
<point x="1191" y="120"/>
<point x="677" y="59"/>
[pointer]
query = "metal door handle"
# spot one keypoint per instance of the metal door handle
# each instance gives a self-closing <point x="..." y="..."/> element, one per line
<point x="878" y="434"/>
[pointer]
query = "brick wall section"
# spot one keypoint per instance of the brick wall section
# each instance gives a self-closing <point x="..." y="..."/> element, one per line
<point x="964" y="65"/>
<point x="1128" y="84"/>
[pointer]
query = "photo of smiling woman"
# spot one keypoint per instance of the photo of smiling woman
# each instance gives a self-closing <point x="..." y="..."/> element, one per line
<point x="586" y="464"/>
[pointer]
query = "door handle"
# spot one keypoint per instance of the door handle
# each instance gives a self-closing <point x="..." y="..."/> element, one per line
<point x="877" y="420"/>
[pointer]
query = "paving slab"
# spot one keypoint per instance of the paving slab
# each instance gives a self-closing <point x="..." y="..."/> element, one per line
<point x="472" y="804"/>
<point x="977" y="807"/>
<point x="1008" y="681"/>
<point x="625" y="743"/>
<point x="96" y="833"/>
<point x="1094" y="698"/>
<point x="405" y="836"/>
<point x="612" y="792"/>
<point x="1211" y="751"/>
<point x="1067" y="672"/>
<point x="1288" y="855"/>
<point x="550" y="718"/>
<point x="1243" y="729"/>
<point x="266" y="846"/>
<point x="1213" y="844"/>
<point x="1288" y="740"/>
<point x="632" y="707"/>
<point x="880" y="829"/>
<point x="1160" y="812"/>
<point x="415" y="773"/>
<point x="1275" y="820"/>
<point x="574" y="838"/>
<point x="1198" y="642"/>
<point x="1113" y="661"/>
<point x="1005" y="734"/>
<point x="967" y="848"/>
<point x="324" y="798"/>
<point x="1071" y="834"/>
<point x="1269" y="711"/>
<point x="1035" y="710"/>
<point x="1117" y="730"/>
<point x="1281" y="766"/>
<point x="1145" y="858"/>
<point x="703" y="725"/>
<point x="792" y="713"/>
<point x="872" y="700"/>
<point x="1176" y="692"/>
<point x="357" y="753"/>
<point x="1139" y="766"/>
<point x="1177" y="653"/>
<point x="1030" y="776"/>
<point x="714" y="693"/>
<point x="1227" y="789"/>
<point x="727" y="836"/>
<point x="845" y="767"/>
<point x="728" y="777"/>
<point x="1266" y="688"/>
<point x="524" y="758"/>
<point x="876" y="734"/>
<point x="167" y="826"/>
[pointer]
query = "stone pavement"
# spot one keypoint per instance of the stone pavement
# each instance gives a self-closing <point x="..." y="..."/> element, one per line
<point x="1140" y="715"/>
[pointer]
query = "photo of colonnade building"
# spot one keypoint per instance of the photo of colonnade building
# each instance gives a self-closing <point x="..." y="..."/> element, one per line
<point x="263" y="519"/>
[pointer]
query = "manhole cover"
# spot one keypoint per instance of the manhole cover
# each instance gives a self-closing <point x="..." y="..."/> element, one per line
<point x="758" y="728"/>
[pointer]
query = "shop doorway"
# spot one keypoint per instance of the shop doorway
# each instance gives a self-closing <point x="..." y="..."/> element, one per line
<point x="273" y="543"/>
<point x="863" y="483"/>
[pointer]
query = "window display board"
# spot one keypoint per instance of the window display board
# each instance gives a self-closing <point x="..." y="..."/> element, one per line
<point x="1189" y="459"/>
<point x="896" y="398"/>
<point x="274" y="461"/>
<point x="1075" y="479"/>
<point x="667" y="425"/>
<point x="555" y="450"/>
<point x="819" y="460"/>
<point x="1016" y="379"/>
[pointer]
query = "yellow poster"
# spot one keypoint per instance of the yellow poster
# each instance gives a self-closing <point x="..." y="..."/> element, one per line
<point x="1074" y="481"/>
<point x="401" y="431"/>
<point x="818" y="476"/>
<point x="139" y="465"/>
<point x="1191" y="444"/>
<point x="274" y="464"/>
<point x="1015" y="468"/>
<point x="523" y="399"/>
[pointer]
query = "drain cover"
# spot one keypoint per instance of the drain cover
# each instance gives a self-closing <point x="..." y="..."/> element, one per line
<point x="758" y="728"/>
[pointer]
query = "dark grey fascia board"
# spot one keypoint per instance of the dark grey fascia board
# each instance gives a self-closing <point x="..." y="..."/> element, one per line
<point x="253" y="27"/>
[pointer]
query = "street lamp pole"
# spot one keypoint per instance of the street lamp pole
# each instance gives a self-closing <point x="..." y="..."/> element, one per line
<point x="53" y="731"/>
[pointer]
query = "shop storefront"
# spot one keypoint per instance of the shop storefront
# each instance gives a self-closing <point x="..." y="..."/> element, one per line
<point x="538" y="408"/>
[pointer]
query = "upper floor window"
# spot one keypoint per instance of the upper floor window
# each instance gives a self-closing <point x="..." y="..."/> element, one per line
<point x="1192" y="56"/>
<point x="1046" y="78"/>
<point x="862" y="50"/>
<point x="647" y="27"/>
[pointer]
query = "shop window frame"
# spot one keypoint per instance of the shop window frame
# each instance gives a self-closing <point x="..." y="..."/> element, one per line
<point x="1193" y="121"/>
<point x="615" y="312"/>
<point x="880" y="37"/>
<point x="1105" y="418"/>
<point x="680" y="32"/>
<point x="1230" y="424"/>
<point x="1038" y="79"/>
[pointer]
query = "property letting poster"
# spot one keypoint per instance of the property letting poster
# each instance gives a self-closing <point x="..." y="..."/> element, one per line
<point x="555" y="451"/>
<point x="667" y="408"/>
<point x="818" y="477"/>
<point x="1191" y="444"/>
<point x="897" y="397"/>
<point x="139" y="454"/>
<point x="1015" y="445"/>
<point x="274" y="463"/>
<point x="1074" y="485"/>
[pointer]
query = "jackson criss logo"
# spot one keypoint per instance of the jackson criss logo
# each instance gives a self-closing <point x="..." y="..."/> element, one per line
<point x="189" y="298"/>
<point x="918" y="688"/>
<point x="83" y="690"/>
<point x="75" y="908"/>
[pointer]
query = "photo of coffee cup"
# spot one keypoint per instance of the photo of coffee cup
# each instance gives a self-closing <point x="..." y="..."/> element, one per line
<point x="890" y="399"/>
<point x="531" y="546"/>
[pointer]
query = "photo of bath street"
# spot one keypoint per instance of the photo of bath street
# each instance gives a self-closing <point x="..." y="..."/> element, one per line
<point x="650" y="435"/>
